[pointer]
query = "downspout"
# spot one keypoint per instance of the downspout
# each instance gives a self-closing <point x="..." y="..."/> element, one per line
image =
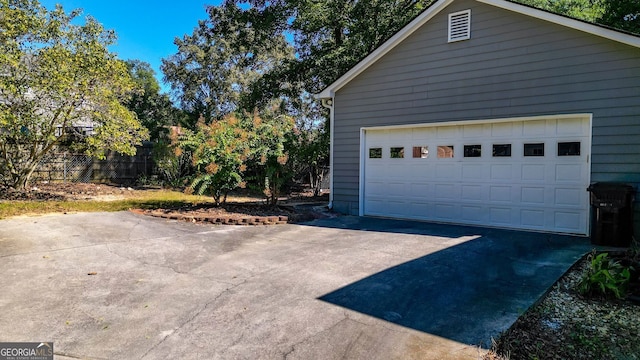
<point x="328" y="103"/>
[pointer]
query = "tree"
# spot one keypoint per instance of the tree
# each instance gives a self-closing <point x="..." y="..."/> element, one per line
<point x="219" y="62"/>
<point x="619" y="14"/>
<point x="58" y="82"/>
<point x="224" y="151"/>
<point x="331" y="36"/>
<point x="219" y="151"/>
<point x="271" y="139"/>
<point x="309" y="150"/>
<point x="154" y="110"/>
<point x="588" y="10"/>
<point x="622" y="14"/>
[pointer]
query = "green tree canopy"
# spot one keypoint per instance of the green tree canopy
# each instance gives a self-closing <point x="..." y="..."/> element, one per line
<point x="58" y="82"/>
<point x="220" y="61"/>
<point x="622" y="14"/>
<point x="619" y="14"/>
<point x="155" y="110"/>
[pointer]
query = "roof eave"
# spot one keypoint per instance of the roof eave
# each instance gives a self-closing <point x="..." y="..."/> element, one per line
<point x="583" y="26"/>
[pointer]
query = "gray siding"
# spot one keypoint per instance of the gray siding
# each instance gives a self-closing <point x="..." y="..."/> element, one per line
<point x="513" y="65"/>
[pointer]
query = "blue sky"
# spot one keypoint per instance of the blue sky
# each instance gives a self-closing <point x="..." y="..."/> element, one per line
<point x="145" y="29"/>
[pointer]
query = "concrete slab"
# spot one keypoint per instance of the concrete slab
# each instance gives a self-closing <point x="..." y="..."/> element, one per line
<point x="342" y="288"/>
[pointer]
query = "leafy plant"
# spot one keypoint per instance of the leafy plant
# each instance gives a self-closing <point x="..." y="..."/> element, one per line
<point x="604" y="276"/>
<point x="172" y="170"/>
<point x="271" y="136"/>
<point x="219" y="151"/>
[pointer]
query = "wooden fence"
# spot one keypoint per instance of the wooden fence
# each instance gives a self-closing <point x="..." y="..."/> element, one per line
<point x="63" y="166"/>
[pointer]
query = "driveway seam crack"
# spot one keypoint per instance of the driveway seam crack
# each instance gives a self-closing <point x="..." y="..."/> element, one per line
<point x="293" y="347"/>
<point x="191" y="318"/>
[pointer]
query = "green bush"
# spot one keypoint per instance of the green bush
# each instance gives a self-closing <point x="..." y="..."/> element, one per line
<point x="605" y="276"/>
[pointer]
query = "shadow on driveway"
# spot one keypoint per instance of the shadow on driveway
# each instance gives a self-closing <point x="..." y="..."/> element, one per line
<point x="469" y="292"/>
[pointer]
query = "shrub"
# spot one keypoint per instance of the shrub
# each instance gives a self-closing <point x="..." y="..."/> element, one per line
<point x="604" y="276"/>
<point x="218" y="152"/>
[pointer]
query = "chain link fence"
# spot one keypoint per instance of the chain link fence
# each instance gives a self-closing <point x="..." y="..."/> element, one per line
<point x="63" y="166"/>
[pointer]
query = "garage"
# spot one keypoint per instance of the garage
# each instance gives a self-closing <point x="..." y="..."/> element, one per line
<point x="522" y="173"/>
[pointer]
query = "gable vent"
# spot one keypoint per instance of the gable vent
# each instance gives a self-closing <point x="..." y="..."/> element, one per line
<point x="460" y="26"/>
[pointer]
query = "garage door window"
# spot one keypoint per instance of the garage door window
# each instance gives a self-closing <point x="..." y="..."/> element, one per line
<point x="472" y="151"/>
<point x="375" y="153"/>
<point x="397" y="152"/>
<point x="569" y="148"/>
<point x="534" y="149"/>
<point x="502" y="150"/>
<point x="445" y="151"/>
<point x="420" y="152"/>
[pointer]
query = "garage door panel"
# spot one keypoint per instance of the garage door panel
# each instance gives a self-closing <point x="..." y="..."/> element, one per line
<point x="472" y="192"/>
<point x="419" y="172"/>
<point x="500" y="194"/>
<point x="447" y="132"/>
<point x="473" y="214"/>
<point x="447" y="171"/>
<point x="568" y="221"/>
<point x="543" y="192"/>
<point x="572" y="127"/>
<point x="446" y="212"/>
<point x="532" y="218"/>
<point x="419" y="210"/>
<point x="420" y="190"/>
<point x="532" y="195"/>
<point x="474" y="171"/>
<point x="423" y="134"/>
<point x="500" y="216"/>
<point x="569" y="197"/>
<point x="502" y="130"/>
<point x="535" y="129"/>
<point x="396" y="189"/>
<point x="376" y="170"/>
<point x="501" y="172"/>
<point x="397" y="207"/>
<point x="569" y="173"/>
<point x="446" y="192"/>
<point x="401" y="171"/>
<point x="375" y="189"/>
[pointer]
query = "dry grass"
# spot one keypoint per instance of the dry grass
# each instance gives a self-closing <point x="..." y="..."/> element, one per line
<point x="148" y="199"/>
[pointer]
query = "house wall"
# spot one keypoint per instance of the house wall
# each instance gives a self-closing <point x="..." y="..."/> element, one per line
<point x="513" y="65"/>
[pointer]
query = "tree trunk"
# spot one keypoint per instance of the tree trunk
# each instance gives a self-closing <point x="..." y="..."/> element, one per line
<point x="20" y="181"/>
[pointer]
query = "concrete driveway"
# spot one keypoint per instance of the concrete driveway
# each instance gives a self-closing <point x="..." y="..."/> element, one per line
<point x="126" y="286"/>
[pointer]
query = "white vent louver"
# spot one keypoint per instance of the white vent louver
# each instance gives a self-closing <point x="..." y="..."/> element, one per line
<point x="460" y="26"/>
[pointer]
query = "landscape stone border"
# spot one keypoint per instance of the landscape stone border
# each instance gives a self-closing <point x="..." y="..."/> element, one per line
<point x="231" y="219"/>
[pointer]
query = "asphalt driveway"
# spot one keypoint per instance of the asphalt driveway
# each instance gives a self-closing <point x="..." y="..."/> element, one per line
<point x="126" y="286"/>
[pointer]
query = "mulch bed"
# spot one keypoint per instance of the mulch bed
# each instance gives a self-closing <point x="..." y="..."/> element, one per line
<point x="240" y="214"/>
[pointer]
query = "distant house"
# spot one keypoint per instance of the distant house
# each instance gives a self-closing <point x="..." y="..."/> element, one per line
<point x="487" y="112"/>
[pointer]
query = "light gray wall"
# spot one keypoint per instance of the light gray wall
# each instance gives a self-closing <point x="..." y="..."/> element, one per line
<point x="512" y="66"/>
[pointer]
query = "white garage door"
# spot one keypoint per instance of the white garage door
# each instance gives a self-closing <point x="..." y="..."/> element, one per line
<point x="523" y="174"/>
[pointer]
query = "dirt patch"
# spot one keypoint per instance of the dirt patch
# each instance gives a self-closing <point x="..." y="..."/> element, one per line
<point x="68" y="191"/>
